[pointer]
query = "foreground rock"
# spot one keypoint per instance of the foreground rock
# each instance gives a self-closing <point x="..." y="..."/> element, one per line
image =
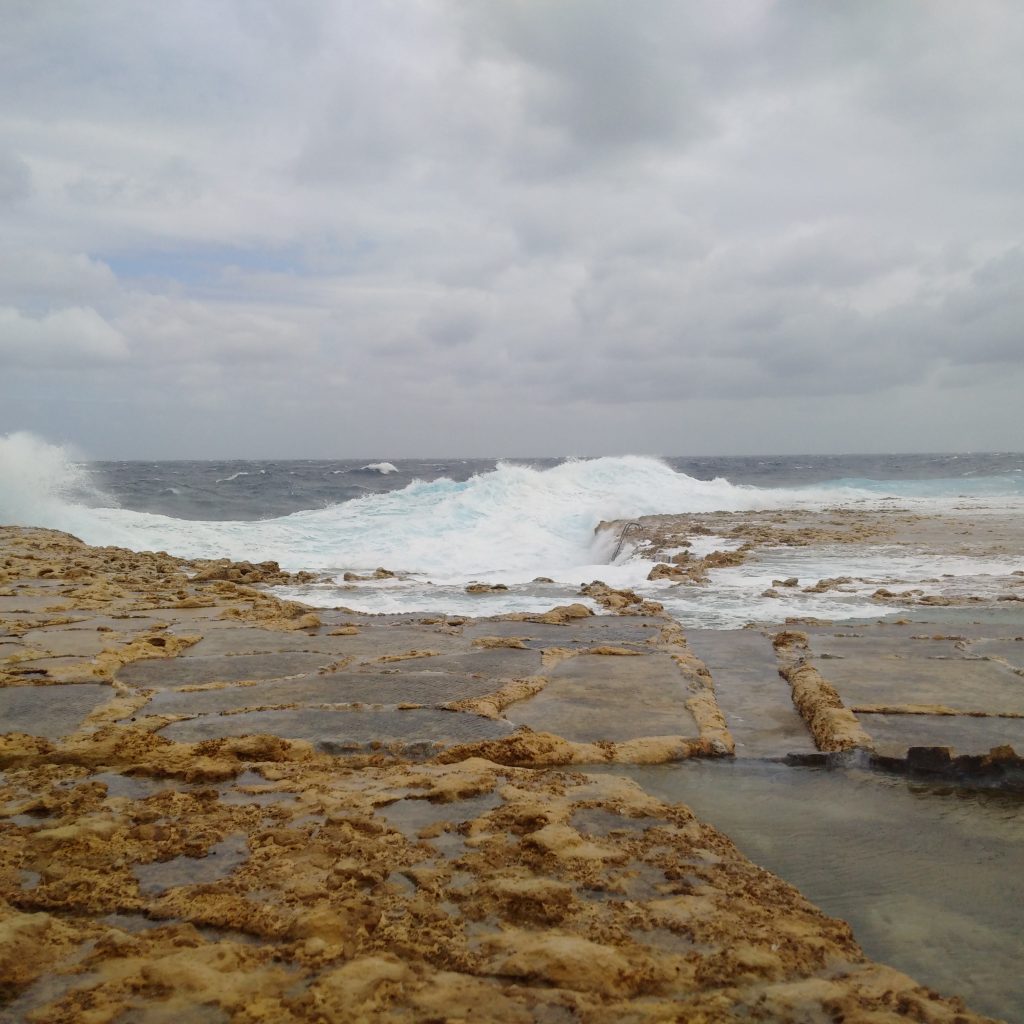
<point x="305" y="889"/>
<point x="250" y="877"/>
<point x="98" y="636"/>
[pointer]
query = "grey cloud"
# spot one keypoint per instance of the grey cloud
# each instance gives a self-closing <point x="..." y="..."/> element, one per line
<point x="828" y="256"/>
<point x="606" y="76"/>
<point x="595" y="81"/>
<point x="124" y="61"/>
<point x="452" y="328"/>
<point x="15" y="179"/>
<point x="171" y="182"/>
<point x="387" y="105"/>
<point x="174" y="330"/>
<point x="41" y="279"/>
<point x="573" y="223"/>
<point x="984" y="323"/>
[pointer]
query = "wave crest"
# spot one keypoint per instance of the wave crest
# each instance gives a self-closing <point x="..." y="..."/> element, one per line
<point x="515" y="520"/>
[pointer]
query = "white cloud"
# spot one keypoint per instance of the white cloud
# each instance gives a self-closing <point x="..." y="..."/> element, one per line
<point x="52" y="278"/>
<point x="77" y="336"/>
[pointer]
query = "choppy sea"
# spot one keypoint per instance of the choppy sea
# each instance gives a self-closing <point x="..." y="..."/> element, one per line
<point x="442" y="523"/>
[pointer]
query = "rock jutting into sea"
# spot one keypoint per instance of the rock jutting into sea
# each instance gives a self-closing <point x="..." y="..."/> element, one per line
<point x="216" y="804"/>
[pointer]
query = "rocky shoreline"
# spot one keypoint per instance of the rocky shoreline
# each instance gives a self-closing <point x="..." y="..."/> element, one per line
<point x="220" y="806"/>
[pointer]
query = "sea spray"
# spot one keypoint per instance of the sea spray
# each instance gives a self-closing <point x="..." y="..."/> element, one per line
<point x="41" y="482"/>
<point x="515" y="521"/>
<point x="506" y="523"/>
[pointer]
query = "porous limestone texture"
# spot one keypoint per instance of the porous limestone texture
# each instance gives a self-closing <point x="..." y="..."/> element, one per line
<point x="251" y="877"/>
<point x="296" y="894"/>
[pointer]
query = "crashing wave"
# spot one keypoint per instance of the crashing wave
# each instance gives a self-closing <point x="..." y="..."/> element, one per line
<point x="514" y="519"/>
<point x="41" y="482"/>
<point x="511" y="523"/>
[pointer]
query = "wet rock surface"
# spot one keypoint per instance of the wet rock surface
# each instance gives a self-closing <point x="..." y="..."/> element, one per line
<point x="595" y="899"/>
<point x="407" y="731"/>
<point x="894" y="735"/>
<point x="198" y="670"/>
<point x="753" y="696"/>
<point x="265" y="813"/>
<point x="911" y="685"/>
<point x="611" y="697"/>
<point x="333" y="688"/>
<point x="925" y="871"/>
<point x="49" y="711"/>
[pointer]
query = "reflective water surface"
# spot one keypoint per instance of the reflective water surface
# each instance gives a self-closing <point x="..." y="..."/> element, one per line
<point x="930" y="877"/>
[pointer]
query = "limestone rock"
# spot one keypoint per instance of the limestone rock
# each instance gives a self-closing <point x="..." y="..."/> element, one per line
<point x="485" y="588"/>
<point x="663" y="571"/>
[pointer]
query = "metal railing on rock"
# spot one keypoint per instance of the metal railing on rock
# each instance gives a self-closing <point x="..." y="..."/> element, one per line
<point x="626" y="527"/>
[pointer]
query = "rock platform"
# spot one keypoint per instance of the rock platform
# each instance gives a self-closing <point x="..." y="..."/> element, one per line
<point x="216" y="805"/>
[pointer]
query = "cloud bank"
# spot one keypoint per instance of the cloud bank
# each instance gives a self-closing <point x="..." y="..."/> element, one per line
<point x="441" y="227"/>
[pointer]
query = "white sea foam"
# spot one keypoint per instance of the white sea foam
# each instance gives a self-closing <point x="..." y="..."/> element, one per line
<point x="240" y="473"/>
<point x="507" y="525"/>
<point x="41" y="483"/>
<point x="512" y="523"/>
<point x="381" y="467"/>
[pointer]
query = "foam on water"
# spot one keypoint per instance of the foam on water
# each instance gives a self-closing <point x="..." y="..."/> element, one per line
<point x="508" y="525"/>
<point x="737" y="595"/>
<point x="239" y="474"/>
<point x="515" y="522"/>
<point x="1004" y="485"/>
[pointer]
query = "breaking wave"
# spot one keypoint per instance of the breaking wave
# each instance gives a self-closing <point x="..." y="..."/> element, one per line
<point x="511" y="523"/>
<point x="40" y="482"/>
<point x="514" y="520"/>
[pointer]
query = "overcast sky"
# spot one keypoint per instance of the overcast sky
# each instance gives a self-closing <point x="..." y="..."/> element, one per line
<point x="442" y="227"/>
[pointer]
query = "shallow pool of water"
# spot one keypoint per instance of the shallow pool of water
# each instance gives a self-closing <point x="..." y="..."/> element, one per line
<point x="930" y="877"/>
